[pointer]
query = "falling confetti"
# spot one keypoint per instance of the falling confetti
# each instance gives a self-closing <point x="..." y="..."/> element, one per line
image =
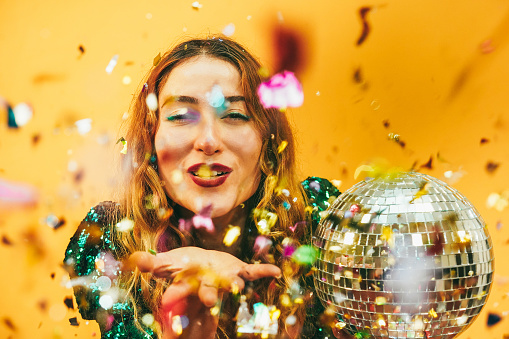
<point x="125" y="225"/>
<point x="281" y="91"/>
<point x="290" y="50"/>
<point x="493" y="319"/>
<point x="152" y="102"/>
<point x="229" y="29"/>
<point x="157" y="59"/>
<point x="363" y="12"/>
<point x="84" y="126"/>
<point x="486" y="46"/>
<point x="282" y="146"/>
<point x="305" y="255"/>
<point x="396" y="138"/>
<point x="196" y="5"/>
<point x="112" y="64"/>
<point x="20" y="115"/>
<point x="231" y="235"/>
<point x="124" y="143"/>
<point x="17" y="194"/>
<point x="491" y="167"/>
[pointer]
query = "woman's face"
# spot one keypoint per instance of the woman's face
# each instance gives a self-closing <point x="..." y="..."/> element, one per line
<point x="207" y="150"/>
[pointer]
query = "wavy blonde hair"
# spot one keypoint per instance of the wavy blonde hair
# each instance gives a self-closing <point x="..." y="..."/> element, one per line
<point x="144" y="185"/>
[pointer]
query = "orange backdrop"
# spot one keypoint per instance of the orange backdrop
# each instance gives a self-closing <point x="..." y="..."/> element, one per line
<point x="434" y="72"/>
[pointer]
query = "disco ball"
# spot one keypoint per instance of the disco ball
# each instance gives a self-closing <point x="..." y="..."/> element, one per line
<point x="405" y="257"/>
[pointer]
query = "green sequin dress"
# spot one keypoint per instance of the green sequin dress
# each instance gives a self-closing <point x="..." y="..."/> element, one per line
<point x="91" y="261"/>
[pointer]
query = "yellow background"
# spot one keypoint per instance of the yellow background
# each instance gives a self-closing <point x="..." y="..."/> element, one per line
<point x="423" y="70"/>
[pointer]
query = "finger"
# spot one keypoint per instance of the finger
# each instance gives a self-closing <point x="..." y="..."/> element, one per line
<point x="237" y="284"/>
<point x="175" y="293"/>
<point x="208" y="293"/>
<point x="257" y="271"/>
<point x="144" y="261"/>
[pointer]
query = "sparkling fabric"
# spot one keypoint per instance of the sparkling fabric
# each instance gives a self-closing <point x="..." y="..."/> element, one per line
<point x="408" y="257"/>
<point x="91" y="255"/>
<point x="91" y="248"/>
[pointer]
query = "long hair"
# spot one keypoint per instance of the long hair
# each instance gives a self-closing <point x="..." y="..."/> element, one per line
<point x="144" y="199"/>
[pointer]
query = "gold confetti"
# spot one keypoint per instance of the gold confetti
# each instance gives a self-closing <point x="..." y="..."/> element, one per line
<point x="214" y="310"/>
<point x="263" y="72"/>
<point x="231" y="235"/>
<point x="204" y="171"/>
<point x="423" y="190"/>
<point x="432" y="313"/>
<point x="176" y="325"/>
<point x="282" y="146"/>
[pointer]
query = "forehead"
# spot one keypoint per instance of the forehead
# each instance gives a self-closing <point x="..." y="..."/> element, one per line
<point x="198" y="74"/>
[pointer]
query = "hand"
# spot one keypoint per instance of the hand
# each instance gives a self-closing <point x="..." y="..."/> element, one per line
<point x="201" y="273"/>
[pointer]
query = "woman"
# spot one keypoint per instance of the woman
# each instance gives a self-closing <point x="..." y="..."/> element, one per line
<point x="205" y="160"/>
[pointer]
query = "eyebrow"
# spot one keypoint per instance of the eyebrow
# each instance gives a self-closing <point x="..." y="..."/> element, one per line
<point x="195" y="101"/>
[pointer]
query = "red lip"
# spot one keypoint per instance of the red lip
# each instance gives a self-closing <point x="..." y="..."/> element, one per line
<point x="212" y="182"/>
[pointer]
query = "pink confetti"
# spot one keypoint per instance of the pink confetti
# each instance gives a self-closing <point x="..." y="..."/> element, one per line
<point x="281" y="91"/>
<point x="262" y="244"/>
<point x="297" y="225"/>
<point x="203" y="220"/>
<point x="16" y="194"/>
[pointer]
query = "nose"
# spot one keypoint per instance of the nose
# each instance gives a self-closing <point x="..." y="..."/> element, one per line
<point x="209" y="139"/>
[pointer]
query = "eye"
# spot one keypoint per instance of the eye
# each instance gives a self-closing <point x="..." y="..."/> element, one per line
<point x="236" y="116"/>
<point x="184" y="115"/>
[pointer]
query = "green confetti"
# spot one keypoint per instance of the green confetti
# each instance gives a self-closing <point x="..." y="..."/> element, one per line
<point x="151" y="251"/>
<point x="305" y="255"/>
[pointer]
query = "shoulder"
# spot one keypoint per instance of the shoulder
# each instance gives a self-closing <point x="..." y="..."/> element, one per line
<point x="320" y="193"/>
<point x="103" y="212"/>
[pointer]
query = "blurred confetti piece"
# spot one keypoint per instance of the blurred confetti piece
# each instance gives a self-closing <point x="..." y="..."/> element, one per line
<point x="20" y="115"/>
<point x="147" y="319"/>
<point x="498" y="201"/>
<point x="336" y="183"/>
<point x="216" y="98"/>
<point x="486" y="46"/>
<point x="176" y="325"/>
<point x="305" y="255"/>
<point x="491" y="167"/>
<point x="53" y="221"/>
<point x="112" y="64"/>
<point x="126" y="80"/>
<point x="493" y="319"/>
<point x="196" y="5"/>
<point x="125" y="225"/>
<point x="84" y="126"/>
<point x="157" y="59"/>
<point x="262" y="244"/>
<point x="14" y="194"/>
<point x="229" y="29"/>
<point x="81" y="49"/>
<point x="282" y="146"/>
<point x="124" y="143"/>
<point x="151" y="102"/>
<point x="363" y="12"/>
<point x="499" y="225"/>
<point x="231" y="235"/>
<point x="203" y="220"/>
<point x="281" y="91"/>
<point x="176" y="176"/>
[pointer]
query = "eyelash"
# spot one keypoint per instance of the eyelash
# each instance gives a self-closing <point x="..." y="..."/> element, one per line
<point x="192" y="117"/>
<point x="236" y="116"/>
